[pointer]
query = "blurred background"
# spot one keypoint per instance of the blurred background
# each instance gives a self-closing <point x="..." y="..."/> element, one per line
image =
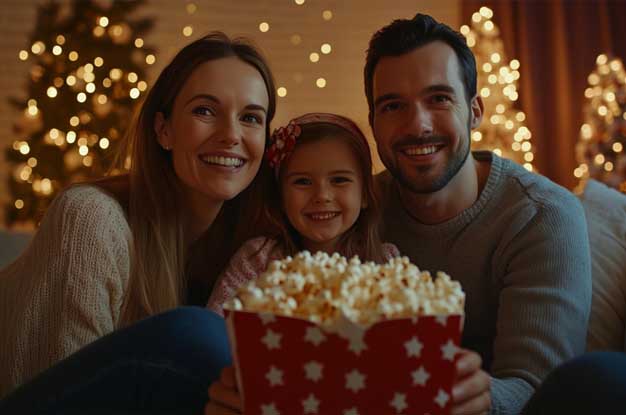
<point x="551" y="74"/>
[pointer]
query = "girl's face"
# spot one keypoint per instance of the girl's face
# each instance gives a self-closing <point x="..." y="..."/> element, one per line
<point x="322" y="191"/>
<point x="216" y="131"/>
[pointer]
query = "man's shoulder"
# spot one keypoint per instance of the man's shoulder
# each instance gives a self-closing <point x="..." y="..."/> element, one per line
<point x="536" y="189"/>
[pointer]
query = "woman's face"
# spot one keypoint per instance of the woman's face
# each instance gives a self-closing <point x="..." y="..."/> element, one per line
<point x="216" y="131"/>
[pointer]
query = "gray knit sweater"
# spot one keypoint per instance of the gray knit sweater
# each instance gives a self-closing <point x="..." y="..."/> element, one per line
<point x="521" y="253"/>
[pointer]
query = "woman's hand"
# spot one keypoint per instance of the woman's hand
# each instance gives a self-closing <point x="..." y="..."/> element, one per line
<point x="224" y="397"/>
<point x="471" y="391"/>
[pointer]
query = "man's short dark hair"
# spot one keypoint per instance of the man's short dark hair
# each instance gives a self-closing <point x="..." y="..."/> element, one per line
<point x="403" y="36"/>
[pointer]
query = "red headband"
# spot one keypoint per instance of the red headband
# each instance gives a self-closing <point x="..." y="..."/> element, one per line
<point x="283" y="139"/>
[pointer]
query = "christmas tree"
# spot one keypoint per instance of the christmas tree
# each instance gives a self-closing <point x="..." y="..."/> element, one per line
<point x="502" y="130"/>
<point x="88" y="70"/>
<point x="600" y="148"/>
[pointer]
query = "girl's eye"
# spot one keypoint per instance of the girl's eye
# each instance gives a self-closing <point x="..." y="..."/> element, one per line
<point x="340" y="180"/>
<point x="203" y="111"/>
<point x="252" y="119"/>
<point x="302" y="181"/>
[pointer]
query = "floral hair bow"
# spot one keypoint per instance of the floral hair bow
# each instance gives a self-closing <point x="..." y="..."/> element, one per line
<point x="283" y="141"/>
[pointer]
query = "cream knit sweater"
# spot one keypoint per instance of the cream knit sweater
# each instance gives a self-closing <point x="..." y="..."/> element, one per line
<point x="66" y="289"/>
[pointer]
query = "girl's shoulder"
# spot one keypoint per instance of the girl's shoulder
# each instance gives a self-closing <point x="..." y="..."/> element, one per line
<point x="260" y="250"/>
<point x="390" y="251"/>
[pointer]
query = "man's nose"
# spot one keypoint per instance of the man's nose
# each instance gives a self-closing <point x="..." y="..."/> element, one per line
<point x="420" y="121"/>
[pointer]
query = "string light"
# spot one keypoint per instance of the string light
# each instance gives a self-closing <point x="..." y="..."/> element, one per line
<point x="326" y="48"/>
<point x="282" y="91"/>
<point x="139" y="42"/>
<point x="320" y="82"/>
<point x="187" y="31"/>
<point x="327" y="15"/>
<point x="599" y="150"/>
<point x="150" y="59"/>
<point x="264" y="27"/>
<point x="503" y="130"/>
<point x="314" y="57"/>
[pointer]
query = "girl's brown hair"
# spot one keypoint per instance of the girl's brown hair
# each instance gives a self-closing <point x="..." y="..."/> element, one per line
<point x="363" y="237"/>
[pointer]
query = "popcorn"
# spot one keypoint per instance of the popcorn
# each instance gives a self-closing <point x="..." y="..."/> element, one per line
<point x="322" y="288"/>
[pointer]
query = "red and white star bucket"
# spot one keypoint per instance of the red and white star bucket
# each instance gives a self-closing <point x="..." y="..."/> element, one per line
<point x="288" y="366"/>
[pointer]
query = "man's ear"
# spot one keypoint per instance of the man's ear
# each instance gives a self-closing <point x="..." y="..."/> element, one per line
<point x="477" y="108"/>
<point x="162" y="131"/>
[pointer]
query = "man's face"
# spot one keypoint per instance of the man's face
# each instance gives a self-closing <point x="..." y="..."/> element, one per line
<point x="421" y="116"/>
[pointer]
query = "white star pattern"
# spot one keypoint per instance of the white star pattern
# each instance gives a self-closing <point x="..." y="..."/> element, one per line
<point x="399" y="402"/>
<point x="267" y="318"/>
<point x="443" y="320"/>
<point x="272" y="340"/>
<point x="413" y="347"/>
<point x="310" y="405"/>
<point x="442" y="398"/>
<point x="354" y="334"/>
<point x="449" y="350"/>
<point x="313" y="371"/>
<point x="420" y="376"/>
<point x="314" y="336"/>
<point x="274" y="376"/>
<point x="355" y="381"/>
<point x="351" y="411"/>
<point x="269" y="409"/>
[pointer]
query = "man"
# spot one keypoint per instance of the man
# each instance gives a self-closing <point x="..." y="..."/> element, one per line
<point x="516" y="241"/>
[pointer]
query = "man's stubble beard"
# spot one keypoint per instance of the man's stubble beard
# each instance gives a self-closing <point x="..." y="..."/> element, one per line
<point x="451" y="170"/>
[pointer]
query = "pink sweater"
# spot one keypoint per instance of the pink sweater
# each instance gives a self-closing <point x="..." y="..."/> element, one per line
<point x="250" y="261"/>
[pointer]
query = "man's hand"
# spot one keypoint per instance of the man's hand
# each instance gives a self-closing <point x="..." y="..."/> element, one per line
<point x="471" y="391"/>
<point x="224" y="397"/>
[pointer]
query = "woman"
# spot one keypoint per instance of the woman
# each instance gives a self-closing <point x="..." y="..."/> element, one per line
<point x="113" y="252"/>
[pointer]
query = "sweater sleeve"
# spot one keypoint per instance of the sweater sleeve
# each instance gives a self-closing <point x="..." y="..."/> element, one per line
<point x="67" y="288"/>
<point x="246" y="265"/>
<point x="390" y="251"/>
<point x="544" y="300"/>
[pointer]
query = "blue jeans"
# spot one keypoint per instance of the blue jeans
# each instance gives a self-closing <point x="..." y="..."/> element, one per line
<point x="594" y="383"/>
<point x="161" y="365"/>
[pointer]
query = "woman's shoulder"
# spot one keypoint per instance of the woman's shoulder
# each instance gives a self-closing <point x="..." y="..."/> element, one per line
<point x="86" y="208"/>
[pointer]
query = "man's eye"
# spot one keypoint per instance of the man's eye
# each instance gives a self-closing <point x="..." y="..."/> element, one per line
<point x="440" y="99"/>
<point x="203" y="111"/>
<point x="391" y="106"/>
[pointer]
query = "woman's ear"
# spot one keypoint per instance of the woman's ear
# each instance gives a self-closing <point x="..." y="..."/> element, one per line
<point x="162" y="131"/>
<point x="477" y="108"/>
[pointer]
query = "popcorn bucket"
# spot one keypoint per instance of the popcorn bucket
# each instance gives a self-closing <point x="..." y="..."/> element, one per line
<point x="288" y="366"/>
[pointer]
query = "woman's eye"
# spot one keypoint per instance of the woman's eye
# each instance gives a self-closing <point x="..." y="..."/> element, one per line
<point x="252" y="118"/>
<point x="203" y="111"/>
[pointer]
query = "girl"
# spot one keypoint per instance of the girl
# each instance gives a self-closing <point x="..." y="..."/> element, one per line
<point x="324" y="200"/>
<point x="118" y="250"/>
